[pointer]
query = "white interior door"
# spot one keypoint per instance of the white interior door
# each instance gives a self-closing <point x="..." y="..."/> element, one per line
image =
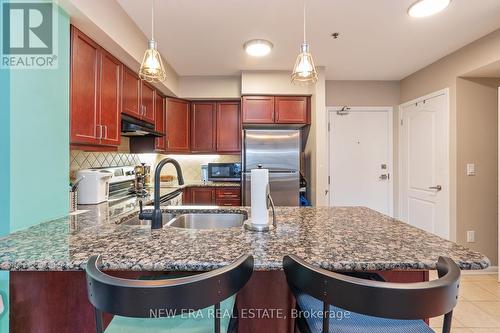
<point x="424" y="173"/>
<point x="360" y="149"/>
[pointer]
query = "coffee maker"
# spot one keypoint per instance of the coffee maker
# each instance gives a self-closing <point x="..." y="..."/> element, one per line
<point x="142" y="179"/>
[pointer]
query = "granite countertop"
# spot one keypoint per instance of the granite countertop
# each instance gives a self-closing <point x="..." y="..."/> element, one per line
<point x="340" y="238"/>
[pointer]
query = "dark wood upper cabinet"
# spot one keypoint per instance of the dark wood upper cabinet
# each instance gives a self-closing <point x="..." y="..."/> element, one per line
<point x="131" y="93"/>
<point x="291" y="110"/>
<point x="95" y="94"/>
<point x="258" y="109"/>
<point x="276" y="110"/>
<point x="228" y="127"/>
<point x="147" y="100"/>
<point x="160" y="143"/>
<point x="203" y="127"/>
<point x="110" y="99"/>
<point x="84" y="89"/>
<point x="177" y="120"/>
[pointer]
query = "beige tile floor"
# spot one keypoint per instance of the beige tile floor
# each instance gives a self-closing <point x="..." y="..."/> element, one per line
<point x="478" y="309"/>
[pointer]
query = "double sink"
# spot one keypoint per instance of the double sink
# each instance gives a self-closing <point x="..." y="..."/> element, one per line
<point x="196" y="221"/>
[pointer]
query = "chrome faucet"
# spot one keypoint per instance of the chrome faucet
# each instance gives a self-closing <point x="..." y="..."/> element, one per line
<point x="156" y="216"/>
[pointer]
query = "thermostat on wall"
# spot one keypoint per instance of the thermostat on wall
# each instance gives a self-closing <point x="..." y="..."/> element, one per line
<point x="471" y="169"/>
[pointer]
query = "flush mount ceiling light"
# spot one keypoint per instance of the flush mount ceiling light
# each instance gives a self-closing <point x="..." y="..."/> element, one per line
<point x="152" y="69"/>
<point x="258" y="47"/>
<point x="424" y="8"/>
<point x="304" y="72"/>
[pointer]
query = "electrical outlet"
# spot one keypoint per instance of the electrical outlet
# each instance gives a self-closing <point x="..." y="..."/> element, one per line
<point x="471" y="236"/>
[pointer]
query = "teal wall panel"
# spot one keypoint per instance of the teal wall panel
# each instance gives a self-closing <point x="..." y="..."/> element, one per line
<point x="34" y="146"/>
<point x="4" y="179"/>
<point x="39" y="142"/>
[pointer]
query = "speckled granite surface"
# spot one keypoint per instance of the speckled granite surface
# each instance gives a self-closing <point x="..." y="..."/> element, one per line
<point x="353" y="238"/>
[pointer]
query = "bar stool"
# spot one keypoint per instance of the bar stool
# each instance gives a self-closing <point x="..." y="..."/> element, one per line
<point x="196" y="303"/>
<point x="337" y="303"/>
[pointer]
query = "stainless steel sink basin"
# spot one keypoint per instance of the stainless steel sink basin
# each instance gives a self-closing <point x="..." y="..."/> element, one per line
<point x="136" y="221"/>
<point x="207" y="221"/>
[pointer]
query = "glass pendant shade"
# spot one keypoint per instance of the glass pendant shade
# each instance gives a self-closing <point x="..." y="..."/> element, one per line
<point x="152" y="69"/>
<point x="304" y="71"/>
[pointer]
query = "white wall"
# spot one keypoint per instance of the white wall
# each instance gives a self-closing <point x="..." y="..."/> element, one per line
<point x="193" y="87"/>
<point x="270" y="83"/>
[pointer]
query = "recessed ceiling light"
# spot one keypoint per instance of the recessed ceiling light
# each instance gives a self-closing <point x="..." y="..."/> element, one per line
<point x="424" y="8"/>
<point x="258" y="47"/>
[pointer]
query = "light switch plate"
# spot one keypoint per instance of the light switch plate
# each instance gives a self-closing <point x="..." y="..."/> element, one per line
<point x="471" y="236"/>
<point x="471" y="169"/>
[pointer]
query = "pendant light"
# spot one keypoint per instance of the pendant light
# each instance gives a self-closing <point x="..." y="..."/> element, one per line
<point x="152" y="69"/>
<point x="304" y="71"/>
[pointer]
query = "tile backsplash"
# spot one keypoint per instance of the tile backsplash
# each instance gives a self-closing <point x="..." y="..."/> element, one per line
<point x="84" y="160"/>
<point x="190" y="164"/>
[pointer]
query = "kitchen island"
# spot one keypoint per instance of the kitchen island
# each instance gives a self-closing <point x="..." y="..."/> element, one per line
<point x="46" y="261"/>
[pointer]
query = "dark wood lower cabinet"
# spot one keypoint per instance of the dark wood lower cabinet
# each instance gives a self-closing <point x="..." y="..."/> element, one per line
<point x="48" y="302"/>
<point x="209" y="195"/>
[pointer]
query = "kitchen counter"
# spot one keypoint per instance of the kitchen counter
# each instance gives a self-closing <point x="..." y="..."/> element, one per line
<point x="341" y="238"/>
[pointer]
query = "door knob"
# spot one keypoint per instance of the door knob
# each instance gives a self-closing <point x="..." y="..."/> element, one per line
<point x="437" y="187"/>
<point x="383" y="177"/>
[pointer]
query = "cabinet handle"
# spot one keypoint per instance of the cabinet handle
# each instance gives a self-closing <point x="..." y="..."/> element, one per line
<point x="100" y="132"/>
<point x="105" y="131"/>
<point x="168" y="143"/>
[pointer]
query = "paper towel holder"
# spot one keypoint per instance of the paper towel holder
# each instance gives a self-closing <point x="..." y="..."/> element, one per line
<point x="263" y="228"/>
<point x="257" y="227"/>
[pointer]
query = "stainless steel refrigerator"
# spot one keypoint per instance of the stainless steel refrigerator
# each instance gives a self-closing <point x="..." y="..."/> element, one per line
<point x="278" y="151"/>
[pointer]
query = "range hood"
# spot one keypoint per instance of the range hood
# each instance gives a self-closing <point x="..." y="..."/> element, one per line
<point x="135" y="127"/>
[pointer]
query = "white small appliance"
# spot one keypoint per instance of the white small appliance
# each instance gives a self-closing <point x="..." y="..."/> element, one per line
<point x="94" y="186"/>
<point x="204" y="173"/>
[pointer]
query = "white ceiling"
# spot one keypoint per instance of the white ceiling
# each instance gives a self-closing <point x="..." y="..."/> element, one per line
<point x="378" y="41"/>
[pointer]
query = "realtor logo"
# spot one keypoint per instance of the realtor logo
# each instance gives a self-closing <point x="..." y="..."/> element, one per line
<point x="28" y="34"/>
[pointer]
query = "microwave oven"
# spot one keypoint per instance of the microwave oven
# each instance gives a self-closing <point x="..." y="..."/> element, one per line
<point x="224" y="172"/>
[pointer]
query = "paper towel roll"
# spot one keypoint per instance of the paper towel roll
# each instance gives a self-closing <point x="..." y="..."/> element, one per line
<point x="258" y="196"/>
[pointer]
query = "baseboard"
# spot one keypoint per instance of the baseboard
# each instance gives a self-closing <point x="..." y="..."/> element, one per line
<point x="489" y="270"/>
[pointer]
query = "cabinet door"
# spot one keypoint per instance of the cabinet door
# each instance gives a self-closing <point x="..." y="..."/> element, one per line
<point x="85" y="128"/>
<point x="202" y="196"/>
<point x="131" y="97"/>
<point x="258" y="109"/>
<point x="291" y="109"/>
<point x="186" y="196"/>
<point x="160" y="143"/>
<point x="203" y="127"/>
<point x="110" y="99"/>
<point x="148" y="102"/>
<point x="177" y="112"/>
<point x="228" y="127"/>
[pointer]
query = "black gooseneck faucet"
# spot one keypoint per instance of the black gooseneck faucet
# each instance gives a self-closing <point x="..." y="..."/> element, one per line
<point x="156" y="216"/>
